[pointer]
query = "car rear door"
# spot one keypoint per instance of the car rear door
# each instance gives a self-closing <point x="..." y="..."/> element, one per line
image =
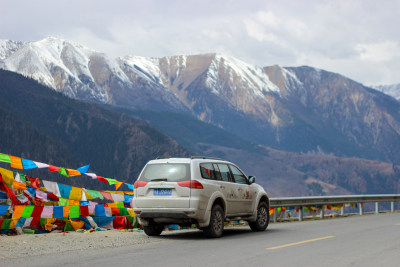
<point x="243" y="190"/>
<point x="162" y="185"/>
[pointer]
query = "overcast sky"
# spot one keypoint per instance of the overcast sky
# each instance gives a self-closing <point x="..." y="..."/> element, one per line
<point x="357" y="38"/>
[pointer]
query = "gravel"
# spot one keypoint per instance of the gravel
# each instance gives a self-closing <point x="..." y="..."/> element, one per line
<point x="39" y="244"/>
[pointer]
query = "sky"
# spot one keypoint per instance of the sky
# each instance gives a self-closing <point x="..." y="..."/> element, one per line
<point x="359" y="39"/>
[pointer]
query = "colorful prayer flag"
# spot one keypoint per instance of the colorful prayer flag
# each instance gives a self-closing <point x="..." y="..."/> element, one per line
<point x="72" y="172"/>
<point x="3" y="209"/>
<point x="74" y="212"/>
<point x="53" y="168"/>
<point x="16" y="162"/>
<point x="28" y="164"/>
<point x="76" y="193"/>
<point x="5" y="158"/>
<point x="27" y="211"/>
<point x="83" y="169"/>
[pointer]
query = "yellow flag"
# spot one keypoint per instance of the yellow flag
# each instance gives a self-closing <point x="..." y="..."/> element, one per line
<point x="76" y="193"/>
<point x="77" y="225"/>
<point x="72" y="202"/>
<point x="131" y="212"/>
<point x="8" y="176"/>
<point x="13" y="223"/>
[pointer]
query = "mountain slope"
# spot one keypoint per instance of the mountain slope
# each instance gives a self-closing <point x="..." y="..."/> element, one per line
<point x="392" y="90"/>
<point x="282" y="173"/>
<point x="299" y="109"/>
<point x="115" y="144"/>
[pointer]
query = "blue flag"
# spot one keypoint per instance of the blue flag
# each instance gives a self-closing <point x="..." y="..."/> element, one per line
<point x="83" y="169"/>
<point x="4" y="208"/>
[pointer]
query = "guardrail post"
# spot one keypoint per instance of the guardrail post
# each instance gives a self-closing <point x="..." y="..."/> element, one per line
<point x="322" y="212"/>
<point x="392" y="206"/>
<point x="274" y="216"/>
<point x="376" y="207"/>
<point x="301" y="214"/>
<point x="361" y="208"/>
<point x="343" y="210"/>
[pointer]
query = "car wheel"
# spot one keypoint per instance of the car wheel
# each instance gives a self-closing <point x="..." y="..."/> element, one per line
<point x="262" y="218"/>
<point x="153" y="229"/>
<point x="216" y="226"/>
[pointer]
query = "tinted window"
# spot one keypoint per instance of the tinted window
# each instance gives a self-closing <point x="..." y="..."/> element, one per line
<point x="225" y="173"/>
<point x="207" y="171"/>
<point x="216" y="172"/>
<point x="238" y="176"/>
<point x="169" y="172"/>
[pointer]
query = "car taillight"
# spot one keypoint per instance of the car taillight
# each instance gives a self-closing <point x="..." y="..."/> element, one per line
<point x="191" y="184"/>
<point x="138" y="184"/>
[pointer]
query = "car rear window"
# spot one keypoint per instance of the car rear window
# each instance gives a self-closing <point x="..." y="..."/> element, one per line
<point x="168" y="172"/>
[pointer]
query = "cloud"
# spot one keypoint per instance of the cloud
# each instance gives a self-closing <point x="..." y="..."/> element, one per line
<point x="327" y="34"/>
<point x="379" y="52"/>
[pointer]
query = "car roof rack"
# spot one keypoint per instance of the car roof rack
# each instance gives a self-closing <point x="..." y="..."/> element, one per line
<point x="163" y="157"/>
<point x="204" y="157"/>
<point x="194" y="157"/>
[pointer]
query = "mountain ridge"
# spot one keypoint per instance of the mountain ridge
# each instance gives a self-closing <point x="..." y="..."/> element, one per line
<point x="299" y="109"/>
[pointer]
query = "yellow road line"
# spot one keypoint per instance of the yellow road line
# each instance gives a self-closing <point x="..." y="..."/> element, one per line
<point x="301" y="242"/>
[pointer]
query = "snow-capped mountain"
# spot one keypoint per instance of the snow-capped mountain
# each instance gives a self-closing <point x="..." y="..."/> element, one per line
<point x="82" y="73"/>
<point x="392" y="90"/>
<point x="300" y="109"/>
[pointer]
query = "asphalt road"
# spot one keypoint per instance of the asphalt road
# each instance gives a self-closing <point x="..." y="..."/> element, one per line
<point x="370" y="240"/>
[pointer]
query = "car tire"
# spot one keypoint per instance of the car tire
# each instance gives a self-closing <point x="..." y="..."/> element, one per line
<point x="216" y="226"/>
<point x="262" y="220"/>
<point x="153" y="229"/>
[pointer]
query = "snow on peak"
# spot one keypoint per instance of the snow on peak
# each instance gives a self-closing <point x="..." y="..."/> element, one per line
<point x="7" y="47"/>
<point x="240" y="73"/>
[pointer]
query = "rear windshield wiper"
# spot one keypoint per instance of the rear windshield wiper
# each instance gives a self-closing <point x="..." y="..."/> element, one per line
<point x="159" y="180"/>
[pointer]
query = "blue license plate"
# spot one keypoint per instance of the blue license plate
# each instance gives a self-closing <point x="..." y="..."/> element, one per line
<point x="162" y="192"/>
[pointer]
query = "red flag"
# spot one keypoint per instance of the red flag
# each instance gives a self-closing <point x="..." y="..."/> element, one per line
<point x="6" y="189"/>
<point x="102" y="179"/>
<point x="84" y="210"/>
<point x="54" y="168"/>
<point x="52" y="196"/>
<point x="35" y="183"/>
<point x="37" y="211"/>
<point x="115" y="211"/>
<point x="119" y="222"/>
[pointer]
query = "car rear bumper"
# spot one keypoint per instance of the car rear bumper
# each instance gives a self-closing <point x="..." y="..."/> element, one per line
<point x="169" y="216"/>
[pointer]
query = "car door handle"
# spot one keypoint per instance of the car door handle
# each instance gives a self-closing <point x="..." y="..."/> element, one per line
<point x="240" y="189"/>
<point x="222" y="187"/>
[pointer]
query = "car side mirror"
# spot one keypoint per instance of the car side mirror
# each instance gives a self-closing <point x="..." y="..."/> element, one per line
<point x="252" y="179"/>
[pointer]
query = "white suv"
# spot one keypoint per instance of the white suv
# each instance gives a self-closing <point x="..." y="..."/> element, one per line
<point x="197" y="190"/>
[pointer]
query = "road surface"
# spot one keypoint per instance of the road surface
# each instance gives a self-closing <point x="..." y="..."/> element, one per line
<point x="370" y="240"/>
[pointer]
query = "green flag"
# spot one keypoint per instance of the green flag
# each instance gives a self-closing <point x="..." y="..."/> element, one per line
<point x="74" y="212"/>
<point x="123" y="212"/>
<point x="111" y="181"/>
<point x="63" y="201"/>
<point x="27" y="211"/>
<point x="63" y="172"/>
<point x="5" y="224"/>
<point x="5" y="158"/>
<point x="22" y="177"/>
<point x="95" y="194"/>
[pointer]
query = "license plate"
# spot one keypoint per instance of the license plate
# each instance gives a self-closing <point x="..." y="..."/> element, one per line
<point x="162" y="192"/>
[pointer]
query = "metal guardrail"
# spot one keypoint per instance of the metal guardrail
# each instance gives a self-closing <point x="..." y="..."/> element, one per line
<point x="323" y="201"/>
